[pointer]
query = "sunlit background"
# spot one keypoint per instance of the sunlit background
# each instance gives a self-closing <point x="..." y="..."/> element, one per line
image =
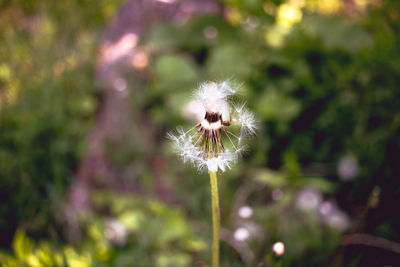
<point x="89" y="89"/>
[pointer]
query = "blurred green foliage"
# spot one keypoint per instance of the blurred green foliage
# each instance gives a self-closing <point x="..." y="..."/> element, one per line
<point x="322" y="83"/>
<point x="159" y="233"/>
<point x="47" y="102"/>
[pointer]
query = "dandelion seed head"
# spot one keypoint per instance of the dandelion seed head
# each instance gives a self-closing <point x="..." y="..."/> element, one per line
<point x="214" y="97"/>
<point x="209" y="91"/>
<point x="247" y="121"/>
<point x="213" y="164"/>
<point x="209" y="144"/>
<point x="222" y="162"/>
<point x="184" y="147"/>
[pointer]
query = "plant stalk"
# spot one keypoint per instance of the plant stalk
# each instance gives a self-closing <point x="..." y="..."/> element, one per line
<point x="215" y="218"/>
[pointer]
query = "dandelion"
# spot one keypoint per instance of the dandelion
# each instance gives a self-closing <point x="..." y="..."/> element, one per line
<point x="209" y="144"/>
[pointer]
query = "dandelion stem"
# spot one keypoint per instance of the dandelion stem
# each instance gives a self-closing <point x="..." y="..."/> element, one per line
<point x="215" y="218"/>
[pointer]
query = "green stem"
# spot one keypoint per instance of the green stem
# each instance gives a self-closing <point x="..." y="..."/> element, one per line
<point x="215" y="217"/>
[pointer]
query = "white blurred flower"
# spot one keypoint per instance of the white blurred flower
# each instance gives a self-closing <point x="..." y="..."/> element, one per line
<point x="241" y="234"/>
<point x="245" y="212"/>
<point x="115" y="231"/>
<point x="278" y="248"/>
<point x="338" y="219"/>
<point x="333" y="216"/>
<point x="348" y="168"/>
<point x="209" y="143"/>
<point x="326" y="207"/>
<point x="308" y="199"/>
<point x="120" y="84"/>
<point x="111" y="52"/>
<point x="210" y="32"/>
